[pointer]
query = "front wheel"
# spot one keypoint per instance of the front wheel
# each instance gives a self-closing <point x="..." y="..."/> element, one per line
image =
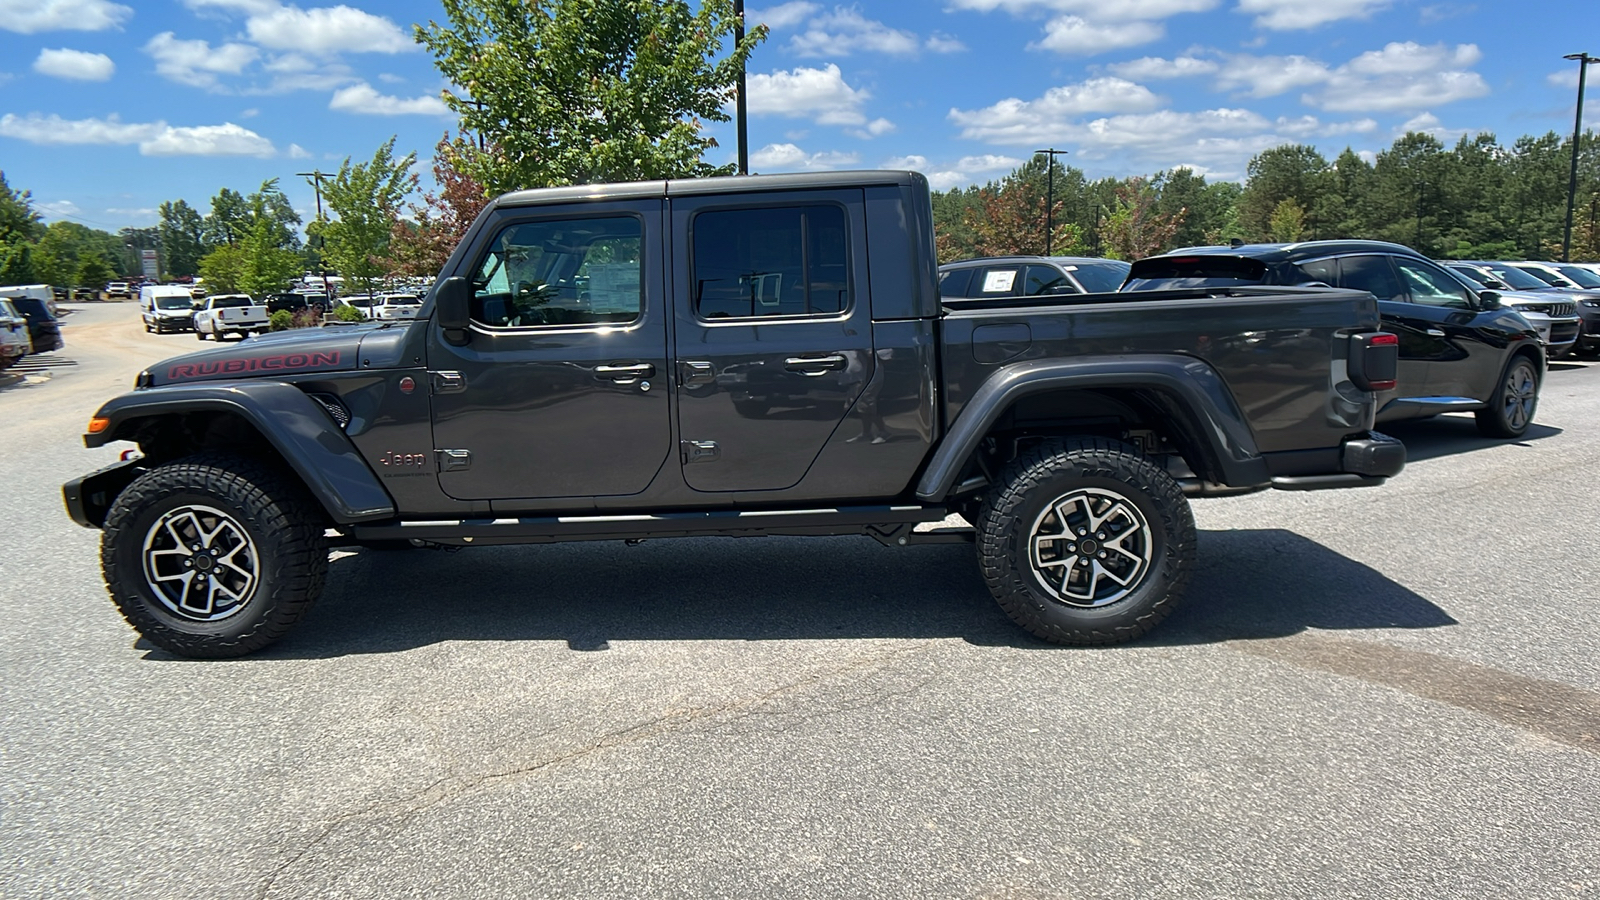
<point x="213" y="556"/>
<point x="1086" y="542"/>
<point x="1510" y="410"/>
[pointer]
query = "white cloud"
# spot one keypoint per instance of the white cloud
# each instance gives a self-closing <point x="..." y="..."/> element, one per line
<point x="790" y="158"/>
<point x="913" y="162"/>
<point x="945" y="180"/>
<point x="152" y="138"/>
<point x="988" y="162"/>
<point x="1017" y="121"/>
<point x="876" y="128"/>
<point x="364" y="99"/>
<point x="845" y="31"/>
<point x="75" y="65"/>
<point x="1428" y="123"/>
<point x="32" y="16"/>
<point x="59" y="208"/>
<point x="806" y="92"/>
<point x="327" y="30"/>
<point x="142" y="212"/>
<point x="784" y="15"/>
<point x="298" y="152"/>
<point x="1289" y="15"/>
<point x="390" y="78"/>
<point x="1078" y="36"/>
<point x="1268" y="76"/>
<point x="1402" y="76"/>
<point x="941" y="43"/>
<point x="1127" y="9"/>
<point x="1311" y="126"/>
<point x="1565" y="78"/>
<point x="196" y="63"/>
<point x="1150" y="68"/>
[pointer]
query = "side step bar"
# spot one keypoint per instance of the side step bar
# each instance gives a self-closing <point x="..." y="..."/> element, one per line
<point x="888" y="524"/>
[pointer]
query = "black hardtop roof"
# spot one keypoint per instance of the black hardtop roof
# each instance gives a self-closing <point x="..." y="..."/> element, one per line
<point x="689" y="187"/>
<point x="1066" y="260"/>
<point x="1303" y="250"/>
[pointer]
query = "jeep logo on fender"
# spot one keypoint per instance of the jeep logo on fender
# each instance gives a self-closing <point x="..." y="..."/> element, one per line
<point x="282" y="361"/>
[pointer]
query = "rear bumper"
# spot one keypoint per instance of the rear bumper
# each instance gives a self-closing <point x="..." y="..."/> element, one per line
<point x="1363" y="462"/>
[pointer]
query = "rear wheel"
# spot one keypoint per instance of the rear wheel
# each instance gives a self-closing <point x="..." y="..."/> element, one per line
<point x="1086" y="542"/>
<point x="213" y="556"/>
<point x="1510" y="410"/>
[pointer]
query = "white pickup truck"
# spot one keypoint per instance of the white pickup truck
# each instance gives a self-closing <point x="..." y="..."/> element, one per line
<point x="229" y="314"/>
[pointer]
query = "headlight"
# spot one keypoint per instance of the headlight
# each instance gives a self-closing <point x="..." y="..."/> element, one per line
<point x="1591" y="303"/>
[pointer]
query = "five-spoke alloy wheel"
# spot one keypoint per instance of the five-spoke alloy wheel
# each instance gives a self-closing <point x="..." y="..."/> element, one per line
<point x="1510" y="410"/>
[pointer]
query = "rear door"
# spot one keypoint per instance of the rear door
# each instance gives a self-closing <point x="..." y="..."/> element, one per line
<point x="1422" y="340"/>
<point x="773" y="333"/>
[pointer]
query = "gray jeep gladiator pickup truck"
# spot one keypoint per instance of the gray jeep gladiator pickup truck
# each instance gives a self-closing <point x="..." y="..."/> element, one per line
<point x="764" y="355"/>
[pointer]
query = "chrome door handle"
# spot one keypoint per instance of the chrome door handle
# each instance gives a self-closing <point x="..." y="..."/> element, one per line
<point x="625" y="374"/>
<point x="1434" y="332"/>
<point x="815" y="365"/>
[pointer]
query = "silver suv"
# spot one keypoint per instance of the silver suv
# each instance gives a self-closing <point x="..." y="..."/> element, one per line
<point x="1551" y="313"/>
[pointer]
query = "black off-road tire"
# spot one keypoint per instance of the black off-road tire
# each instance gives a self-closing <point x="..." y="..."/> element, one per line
<point x="275" y="513"/>
<point x="1025" y="495"/>
<point x="1504" y="418"/>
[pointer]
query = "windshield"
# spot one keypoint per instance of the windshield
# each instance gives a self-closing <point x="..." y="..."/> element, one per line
<point x="1516" y="279"/>
<point x="1582" y="276"/>
<point x="403" y="301"/>
<point x="1550" y="279"/>
<point x="175" y="302"/>
<point x="1100" y="278"/>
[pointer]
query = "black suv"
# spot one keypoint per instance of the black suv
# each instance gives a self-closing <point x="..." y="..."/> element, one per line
<point x="1460" y="349"/>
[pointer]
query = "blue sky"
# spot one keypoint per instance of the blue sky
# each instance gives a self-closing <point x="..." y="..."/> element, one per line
<point x="109" y="108"/>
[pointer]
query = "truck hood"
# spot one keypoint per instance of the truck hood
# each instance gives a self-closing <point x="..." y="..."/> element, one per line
<point x="327" y="349"/>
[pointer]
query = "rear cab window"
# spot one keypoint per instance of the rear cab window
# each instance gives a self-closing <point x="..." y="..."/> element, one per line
<point x="1163" y="273"/>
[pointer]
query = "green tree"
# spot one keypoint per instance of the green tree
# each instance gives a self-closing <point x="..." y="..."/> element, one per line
<point x="222" y="269"/>
<point x="228" y="220"/>
<point x="1292" y="171"/>
<point x="582" y="91"/>
<point x="266" y="265"/>
<point x="182" y="233"/>
<point x="93" y="273"/>
<point x="1288" y="222"/>
<point x="1135" y="228"/>
<point x="61" y="251"/>
<point x="366" y="197"/>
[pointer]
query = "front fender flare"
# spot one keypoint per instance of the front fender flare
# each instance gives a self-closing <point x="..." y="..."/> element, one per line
<point x="1207" y="413"/>
<point x="292" y="422"/>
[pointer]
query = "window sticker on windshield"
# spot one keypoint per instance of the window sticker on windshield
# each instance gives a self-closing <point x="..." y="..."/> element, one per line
<point x="994" y="282"/>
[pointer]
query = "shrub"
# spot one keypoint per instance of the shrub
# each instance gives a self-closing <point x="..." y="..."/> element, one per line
<point x="348" y="314"/>
<point x="310" y="317"/>
<point x="282" y="320"/>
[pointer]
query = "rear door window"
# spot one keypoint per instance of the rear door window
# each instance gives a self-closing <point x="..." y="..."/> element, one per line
<point x="1325" y="271"/>
<point x="997" y="281"/>
<point x="1371" y="273"/>
<point x="954" y="283"/>
<point x="1043" y="280"/>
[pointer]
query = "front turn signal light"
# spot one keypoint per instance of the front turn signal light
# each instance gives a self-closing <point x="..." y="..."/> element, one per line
<point x="97" y="425"/>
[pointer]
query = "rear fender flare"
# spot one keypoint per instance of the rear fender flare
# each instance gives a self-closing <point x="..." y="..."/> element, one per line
<point x="294" y="424"/>
<point x="1195" y="395"/>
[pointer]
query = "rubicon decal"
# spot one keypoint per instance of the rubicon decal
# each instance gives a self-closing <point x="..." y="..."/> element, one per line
<point x="281" y="362"/>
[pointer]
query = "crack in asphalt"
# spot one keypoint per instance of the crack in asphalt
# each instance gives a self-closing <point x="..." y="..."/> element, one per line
<point x="449" y="788"/>
<point x="1559" y="712"/>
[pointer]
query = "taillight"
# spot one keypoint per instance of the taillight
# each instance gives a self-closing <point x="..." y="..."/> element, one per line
<point x="1374" y="360"/>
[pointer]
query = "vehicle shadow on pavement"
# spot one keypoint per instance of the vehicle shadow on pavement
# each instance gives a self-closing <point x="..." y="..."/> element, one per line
<point x="1452" y="434"/>
<point x="1248" y="584"/>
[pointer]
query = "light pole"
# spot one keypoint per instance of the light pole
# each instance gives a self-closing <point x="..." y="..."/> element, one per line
<point x="738" y="98"/>
<point x="316" y="176"/>
<point x="1583" y="60"/>
<point x="1050" y="200"/>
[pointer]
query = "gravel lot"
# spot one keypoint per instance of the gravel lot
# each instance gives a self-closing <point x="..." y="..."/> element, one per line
<point x="1376" y="693"/>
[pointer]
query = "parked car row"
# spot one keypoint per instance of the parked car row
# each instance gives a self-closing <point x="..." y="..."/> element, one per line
<point x="1468" y="342"/>
<point x="28" y="322"/>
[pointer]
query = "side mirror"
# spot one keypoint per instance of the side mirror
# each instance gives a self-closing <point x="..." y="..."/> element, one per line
<point x="1489" y="299"/>
<point x="1494" y="283"/>
<point x="453" y="306"/>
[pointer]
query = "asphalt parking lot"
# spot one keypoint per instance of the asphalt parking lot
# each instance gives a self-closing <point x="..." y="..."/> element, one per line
<point x="1388" y="692"/>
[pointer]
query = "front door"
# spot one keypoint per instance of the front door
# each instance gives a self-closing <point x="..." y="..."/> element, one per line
<point x="562" y="389"/>
<point x="774" y="334"/>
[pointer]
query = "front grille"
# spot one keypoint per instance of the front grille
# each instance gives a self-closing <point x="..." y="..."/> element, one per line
<point x="1553" y="310"/>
